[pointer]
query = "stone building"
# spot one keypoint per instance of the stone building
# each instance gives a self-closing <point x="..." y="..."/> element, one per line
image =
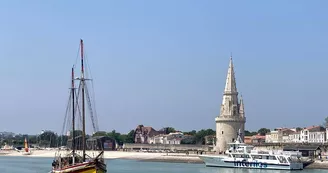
<point x="143" y="134"/>
<point x="279" y="135"/>
<point x="232" y="115"/>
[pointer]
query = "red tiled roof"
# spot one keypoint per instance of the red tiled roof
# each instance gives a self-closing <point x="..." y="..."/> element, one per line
<point x="311" y="127"/>
<point x="258" y="137"/>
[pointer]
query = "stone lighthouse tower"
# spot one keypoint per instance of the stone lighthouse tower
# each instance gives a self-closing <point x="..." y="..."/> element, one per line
<point x="232" y="115"/>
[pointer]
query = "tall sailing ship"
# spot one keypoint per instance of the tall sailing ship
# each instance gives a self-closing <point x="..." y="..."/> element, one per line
<point x="77" y="159"/>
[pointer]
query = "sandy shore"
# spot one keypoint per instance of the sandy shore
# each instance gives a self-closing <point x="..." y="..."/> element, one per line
<point x="141" y="156"/>
<point x="318" y="165"/>
<point x="162" y="157"/>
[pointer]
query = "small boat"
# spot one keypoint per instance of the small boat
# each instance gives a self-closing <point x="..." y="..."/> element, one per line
<point x="76" y="159"/>
<point x="241" y="155"/>
<point x="7" y="147"/>
<point x="26" y="150"/>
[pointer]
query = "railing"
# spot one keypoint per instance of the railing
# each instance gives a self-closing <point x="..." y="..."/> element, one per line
<point x="276" y="152"/>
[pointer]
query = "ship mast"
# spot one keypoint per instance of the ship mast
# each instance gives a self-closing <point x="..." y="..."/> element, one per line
<point x="73" y="115"/>
<point x="83" y="102"/>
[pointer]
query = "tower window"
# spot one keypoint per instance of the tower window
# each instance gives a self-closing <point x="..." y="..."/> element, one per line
<point x="222" y="132"/>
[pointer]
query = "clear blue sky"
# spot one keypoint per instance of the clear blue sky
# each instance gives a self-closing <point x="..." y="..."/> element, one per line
<point x="164" y="63"/>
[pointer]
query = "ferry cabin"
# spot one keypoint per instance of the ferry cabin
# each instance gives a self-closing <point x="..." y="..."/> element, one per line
<point x="244" y="156"/>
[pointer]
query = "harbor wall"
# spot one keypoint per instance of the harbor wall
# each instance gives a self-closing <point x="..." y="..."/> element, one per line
<point x="172" y="147"/>
<point x="207" y="148"/>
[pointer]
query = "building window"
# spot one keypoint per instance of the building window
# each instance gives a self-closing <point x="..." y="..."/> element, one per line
<point x="222" y="132"/>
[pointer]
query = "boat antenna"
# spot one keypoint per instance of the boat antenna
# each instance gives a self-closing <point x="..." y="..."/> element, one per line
<point x="239" y="139"/>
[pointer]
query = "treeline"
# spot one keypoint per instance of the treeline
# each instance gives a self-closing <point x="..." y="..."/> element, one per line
<point x="261" y="131"/>
<point x="51" y="139"/>
<point x="192" y="137"/>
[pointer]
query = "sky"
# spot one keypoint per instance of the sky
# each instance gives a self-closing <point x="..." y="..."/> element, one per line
<point x="164" y="63"/>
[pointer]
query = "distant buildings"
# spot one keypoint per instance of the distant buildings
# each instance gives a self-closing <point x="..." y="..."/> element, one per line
<point x="279" y="135"/>
<point x="143" y="135"/>
<point x="148" y="135"/>
<point x="313" y="134"/>
<point x="258" y="139"/>
<point x="171" y="138"/>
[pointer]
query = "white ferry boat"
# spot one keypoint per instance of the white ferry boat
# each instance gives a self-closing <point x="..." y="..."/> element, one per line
<point x="241" y="155"/>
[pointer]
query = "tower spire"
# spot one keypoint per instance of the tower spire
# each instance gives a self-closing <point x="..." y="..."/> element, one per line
<point x="241" y="107"/>
<point x="230" y="120"/>
<point x="230" y="86"/>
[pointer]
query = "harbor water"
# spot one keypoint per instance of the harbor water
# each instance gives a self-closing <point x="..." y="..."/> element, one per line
<point x="43" y="165"/>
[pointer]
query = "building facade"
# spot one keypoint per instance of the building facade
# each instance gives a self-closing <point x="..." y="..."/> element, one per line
<point x="232" y="115"/>
<point x="171" y="138"/>
<point x="258" y="139"/>
<point x="295" y="137"/>
<point x="273" y="137"/>
<point x="279" y="135"/>
<point x="143" y="134"/>
<point x="314" y="134"/>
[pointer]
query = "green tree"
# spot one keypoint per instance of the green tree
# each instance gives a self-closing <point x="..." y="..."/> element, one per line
<point x="117" y="136"/>
<point x="48" y="139"/>
<point x="129" y="138"/>
<point x="200" y="135"/>
<point x="298" y="129"/>
<point x="77" y="133"/>
<point x="188" y="140"/>
<point x="62" y="140"/>
<point x="248" y="133"/>
<point x="326" y="122"/>
<point x="32" y="139"/>
<point x="100" y="133"/>
<point x="192" y="133"/>
<point x="170" y="130"/>
<point x="263" y="131"/>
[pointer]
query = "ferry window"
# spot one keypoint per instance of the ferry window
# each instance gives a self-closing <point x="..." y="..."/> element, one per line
<point x="267" y="157"/>
<point x="260" y="157"/>
<point x="282" y="159"/>
<point x="222" y="132"/>
<point x="233" y="139"/>
<point x="279" y="158"/>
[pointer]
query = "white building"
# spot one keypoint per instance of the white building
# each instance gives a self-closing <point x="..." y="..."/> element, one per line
<point x="159" y="139"/>
<point x="327" y="134"/>
<point x="273" y="137"/>
<point x="280" y="135"/>
<point x="295" y="137"/>
<point x="232" y="116"/>
<point x="314" y="134"/>
<point x="172" y="138"/>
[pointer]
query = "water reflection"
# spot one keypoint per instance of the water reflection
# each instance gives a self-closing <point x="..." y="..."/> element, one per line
<point x="42" y="165"/>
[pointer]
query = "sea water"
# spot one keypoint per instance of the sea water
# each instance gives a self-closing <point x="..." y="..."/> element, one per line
<point x="10" y="164"/>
